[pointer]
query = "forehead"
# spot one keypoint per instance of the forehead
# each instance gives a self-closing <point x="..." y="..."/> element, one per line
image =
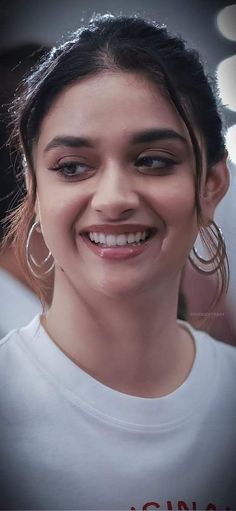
<point x="109" y="106"/>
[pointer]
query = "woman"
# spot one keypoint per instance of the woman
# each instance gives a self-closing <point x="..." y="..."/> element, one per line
<point x="108" y="401"/>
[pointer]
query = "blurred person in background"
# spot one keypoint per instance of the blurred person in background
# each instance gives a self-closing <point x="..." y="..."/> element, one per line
<point x="18" y="301"/>
<point x="199" y="289"/>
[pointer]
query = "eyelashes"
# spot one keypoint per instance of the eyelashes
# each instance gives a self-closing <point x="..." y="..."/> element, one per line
<point x="155" y="164"/>
<point x="146" y="164"/>
<point x="73" y="170"/>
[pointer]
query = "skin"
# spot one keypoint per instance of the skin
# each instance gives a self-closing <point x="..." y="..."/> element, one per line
<point x="116" y="318"/>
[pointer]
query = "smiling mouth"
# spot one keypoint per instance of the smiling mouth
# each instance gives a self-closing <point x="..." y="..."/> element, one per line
<point x="120" y="240"/>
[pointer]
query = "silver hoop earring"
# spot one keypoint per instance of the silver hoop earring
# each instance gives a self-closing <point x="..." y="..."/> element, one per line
<point x="46" y="265"/>
<point x="213" y="239"/>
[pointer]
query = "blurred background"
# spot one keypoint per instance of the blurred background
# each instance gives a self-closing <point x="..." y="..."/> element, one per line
<point x="27" y="26"/>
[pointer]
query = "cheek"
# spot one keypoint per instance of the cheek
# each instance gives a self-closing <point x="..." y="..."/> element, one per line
<point x="176" y="202"/>
<point x="60" y="205"/>
<point x="58" y="215"/>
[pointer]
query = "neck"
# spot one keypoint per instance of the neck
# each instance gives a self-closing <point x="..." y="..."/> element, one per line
<point x="133" y="344"/>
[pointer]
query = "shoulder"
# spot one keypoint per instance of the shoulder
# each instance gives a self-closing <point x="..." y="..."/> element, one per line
<point x="219" y="348"/>
<point x="16" y="363"/>
<point x="14" y="342"/>
<point x="18" y="304"/>
<point x="214" y="376"/>
<point x="18" y="372"/>
<point x="203" y="340"/>
<point x="217" y="358"/>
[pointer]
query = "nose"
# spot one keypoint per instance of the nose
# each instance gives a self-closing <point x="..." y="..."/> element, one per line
<point x="115" y="196"/>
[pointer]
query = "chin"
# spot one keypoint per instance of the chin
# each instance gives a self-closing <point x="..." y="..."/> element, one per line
<point x="123" y="286"/>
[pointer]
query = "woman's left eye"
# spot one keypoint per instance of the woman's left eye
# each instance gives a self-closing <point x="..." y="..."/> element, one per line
<point x="154" y="164"/>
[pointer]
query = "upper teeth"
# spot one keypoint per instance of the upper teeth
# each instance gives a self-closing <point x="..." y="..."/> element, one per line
<point x="111" y="240"/>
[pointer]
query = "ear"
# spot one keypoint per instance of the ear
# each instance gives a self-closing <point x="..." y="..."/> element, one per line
<point x="214" y="188"/>
<point x="37" y="209"/>
<point x="28" y="184"/>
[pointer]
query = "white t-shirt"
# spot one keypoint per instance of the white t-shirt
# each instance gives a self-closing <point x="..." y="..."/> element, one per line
<point x="70" y="442"/>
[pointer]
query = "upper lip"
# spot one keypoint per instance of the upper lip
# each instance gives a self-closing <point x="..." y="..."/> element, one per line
<point x="118" y="229"/>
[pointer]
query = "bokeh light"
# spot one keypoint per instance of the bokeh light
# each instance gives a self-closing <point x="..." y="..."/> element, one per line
<point x="226" y="22"/>
<point x="226" y="78"/>
<point x="231" y="142"/>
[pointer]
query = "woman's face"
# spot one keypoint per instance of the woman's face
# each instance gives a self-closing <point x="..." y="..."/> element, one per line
<point x="115" y="184"/>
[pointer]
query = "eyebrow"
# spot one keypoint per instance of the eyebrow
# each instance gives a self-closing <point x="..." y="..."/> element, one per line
<point x="68" y="141"/>
<point x="155" y="135"/>
<point x="151" y="135"/>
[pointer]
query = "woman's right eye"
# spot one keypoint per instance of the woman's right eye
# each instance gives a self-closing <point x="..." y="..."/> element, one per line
<point x="73" y="169"/>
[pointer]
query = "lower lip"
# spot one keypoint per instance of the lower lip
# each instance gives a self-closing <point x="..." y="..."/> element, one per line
<point x="121" y="252"/>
